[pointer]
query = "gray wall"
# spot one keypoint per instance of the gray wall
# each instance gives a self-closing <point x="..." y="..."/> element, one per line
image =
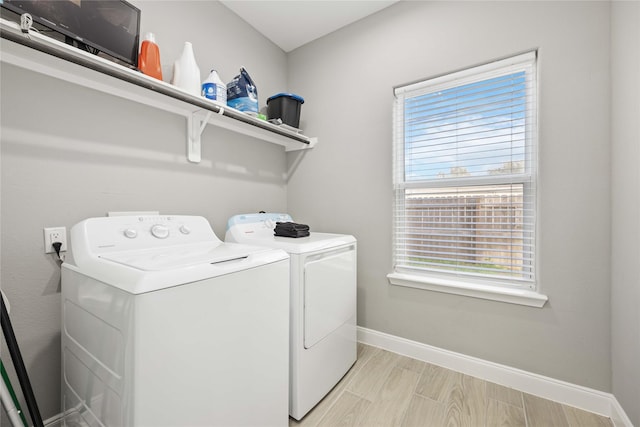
<point x="625" y="285"/>
<point x="61" y="162"/>
<point x="344" y="184"/>
<point x="70" y="153"/>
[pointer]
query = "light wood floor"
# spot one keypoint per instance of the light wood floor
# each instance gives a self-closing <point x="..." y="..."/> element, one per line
<point x="387" y="389"/>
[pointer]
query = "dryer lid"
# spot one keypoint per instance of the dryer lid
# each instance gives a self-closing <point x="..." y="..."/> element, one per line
<point x="257" y="229"/>
<point x="302" y="245"/>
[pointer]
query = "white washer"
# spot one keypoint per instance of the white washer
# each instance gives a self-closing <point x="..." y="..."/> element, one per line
<point x="165" y="325"/>
<point x="323" y="304"/>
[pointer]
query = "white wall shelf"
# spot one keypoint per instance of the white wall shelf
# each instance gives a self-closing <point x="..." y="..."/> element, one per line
<point x="44" y="55"/>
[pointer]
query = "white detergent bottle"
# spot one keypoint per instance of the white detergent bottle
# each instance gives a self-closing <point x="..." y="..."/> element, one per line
<point x="214" y="88"/>
<point x="186" y="74"/>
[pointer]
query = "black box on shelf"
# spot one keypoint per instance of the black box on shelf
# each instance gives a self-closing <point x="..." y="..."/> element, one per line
<point x="286" y="107"/>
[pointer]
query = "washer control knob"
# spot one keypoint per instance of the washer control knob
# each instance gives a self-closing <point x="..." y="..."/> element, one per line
<point x="130" y="233"/>
<point x="160" y="231"/>
<point x="185" y="230"/>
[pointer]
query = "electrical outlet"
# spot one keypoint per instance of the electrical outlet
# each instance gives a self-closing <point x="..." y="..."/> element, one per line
<point x="52" y="235"/>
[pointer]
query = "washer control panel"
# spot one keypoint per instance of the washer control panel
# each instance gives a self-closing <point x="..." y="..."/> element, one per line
<point x="120" y="233"/>
<point x="160" y="231"/>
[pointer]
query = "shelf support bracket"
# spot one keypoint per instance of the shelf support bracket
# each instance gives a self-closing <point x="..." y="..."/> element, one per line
<point x="312" y="143"/>
<point x="196" y="122"/>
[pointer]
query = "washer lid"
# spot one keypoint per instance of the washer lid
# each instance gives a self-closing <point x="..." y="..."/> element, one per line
<point x="139" y="254"/>
<point x="142" y="271"/>
<point x="173" y="257"/>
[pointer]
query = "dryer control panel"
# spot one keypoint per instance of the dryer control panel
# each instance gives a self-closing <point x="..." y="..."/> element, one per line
<point x="258" y="225"/>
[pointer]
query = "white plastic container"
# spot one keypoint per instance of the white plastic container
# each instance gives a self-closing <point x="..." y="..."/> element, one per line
<point x="186" y="74"/>
<point x="214" y="88"/>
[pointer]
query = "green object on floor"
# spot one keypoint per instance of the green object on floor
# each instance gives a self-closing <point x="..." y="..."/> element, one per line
<point x="7" y="382"/>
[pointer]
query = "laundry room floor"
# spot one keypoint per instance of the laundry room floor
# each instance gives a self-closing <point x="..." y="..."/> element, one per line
<point x="388" y="389"/>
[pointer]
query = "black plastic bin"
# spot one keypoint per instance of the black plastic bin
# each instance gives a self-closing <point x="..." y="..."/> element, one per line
<point x="286" y="107"/>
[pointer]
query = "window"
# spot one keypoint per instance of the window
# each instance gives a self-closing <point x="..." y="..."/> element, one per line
<point x="465" y="148"/>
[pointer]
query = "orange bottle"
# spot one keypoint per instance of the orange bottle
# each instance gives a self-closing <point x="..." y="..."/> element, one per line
<point x="149" y="58"/>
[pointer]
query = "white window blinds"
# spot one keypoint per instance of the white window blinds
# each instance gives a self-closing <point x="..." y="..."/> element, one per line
<point x="465" y="173"/>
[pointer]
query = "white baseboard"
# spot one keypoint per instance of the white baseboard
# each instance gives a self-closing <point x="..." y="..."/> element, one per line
<point x="618" y="416"/>
<point x="560" y="391"/>
<point x="55" y="421"/>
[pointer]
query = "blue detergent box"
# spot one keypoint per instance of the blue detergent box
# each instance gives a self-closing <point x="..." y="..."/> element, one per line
<point x="242" y="93"/>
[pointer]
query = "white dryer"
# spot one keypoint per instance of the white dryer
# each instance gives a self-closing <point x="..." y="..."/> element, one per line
<point x="323" y="342"/>
<point x="165" y="325"/>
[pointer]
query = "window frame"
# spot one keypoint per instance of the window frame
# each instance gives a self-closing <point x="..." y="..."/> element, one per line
<point x="500" y="289"/>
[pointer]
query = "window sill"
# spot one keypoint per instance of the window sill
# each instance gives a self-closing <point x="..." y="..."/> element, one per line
<point x="483" y="291"/>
